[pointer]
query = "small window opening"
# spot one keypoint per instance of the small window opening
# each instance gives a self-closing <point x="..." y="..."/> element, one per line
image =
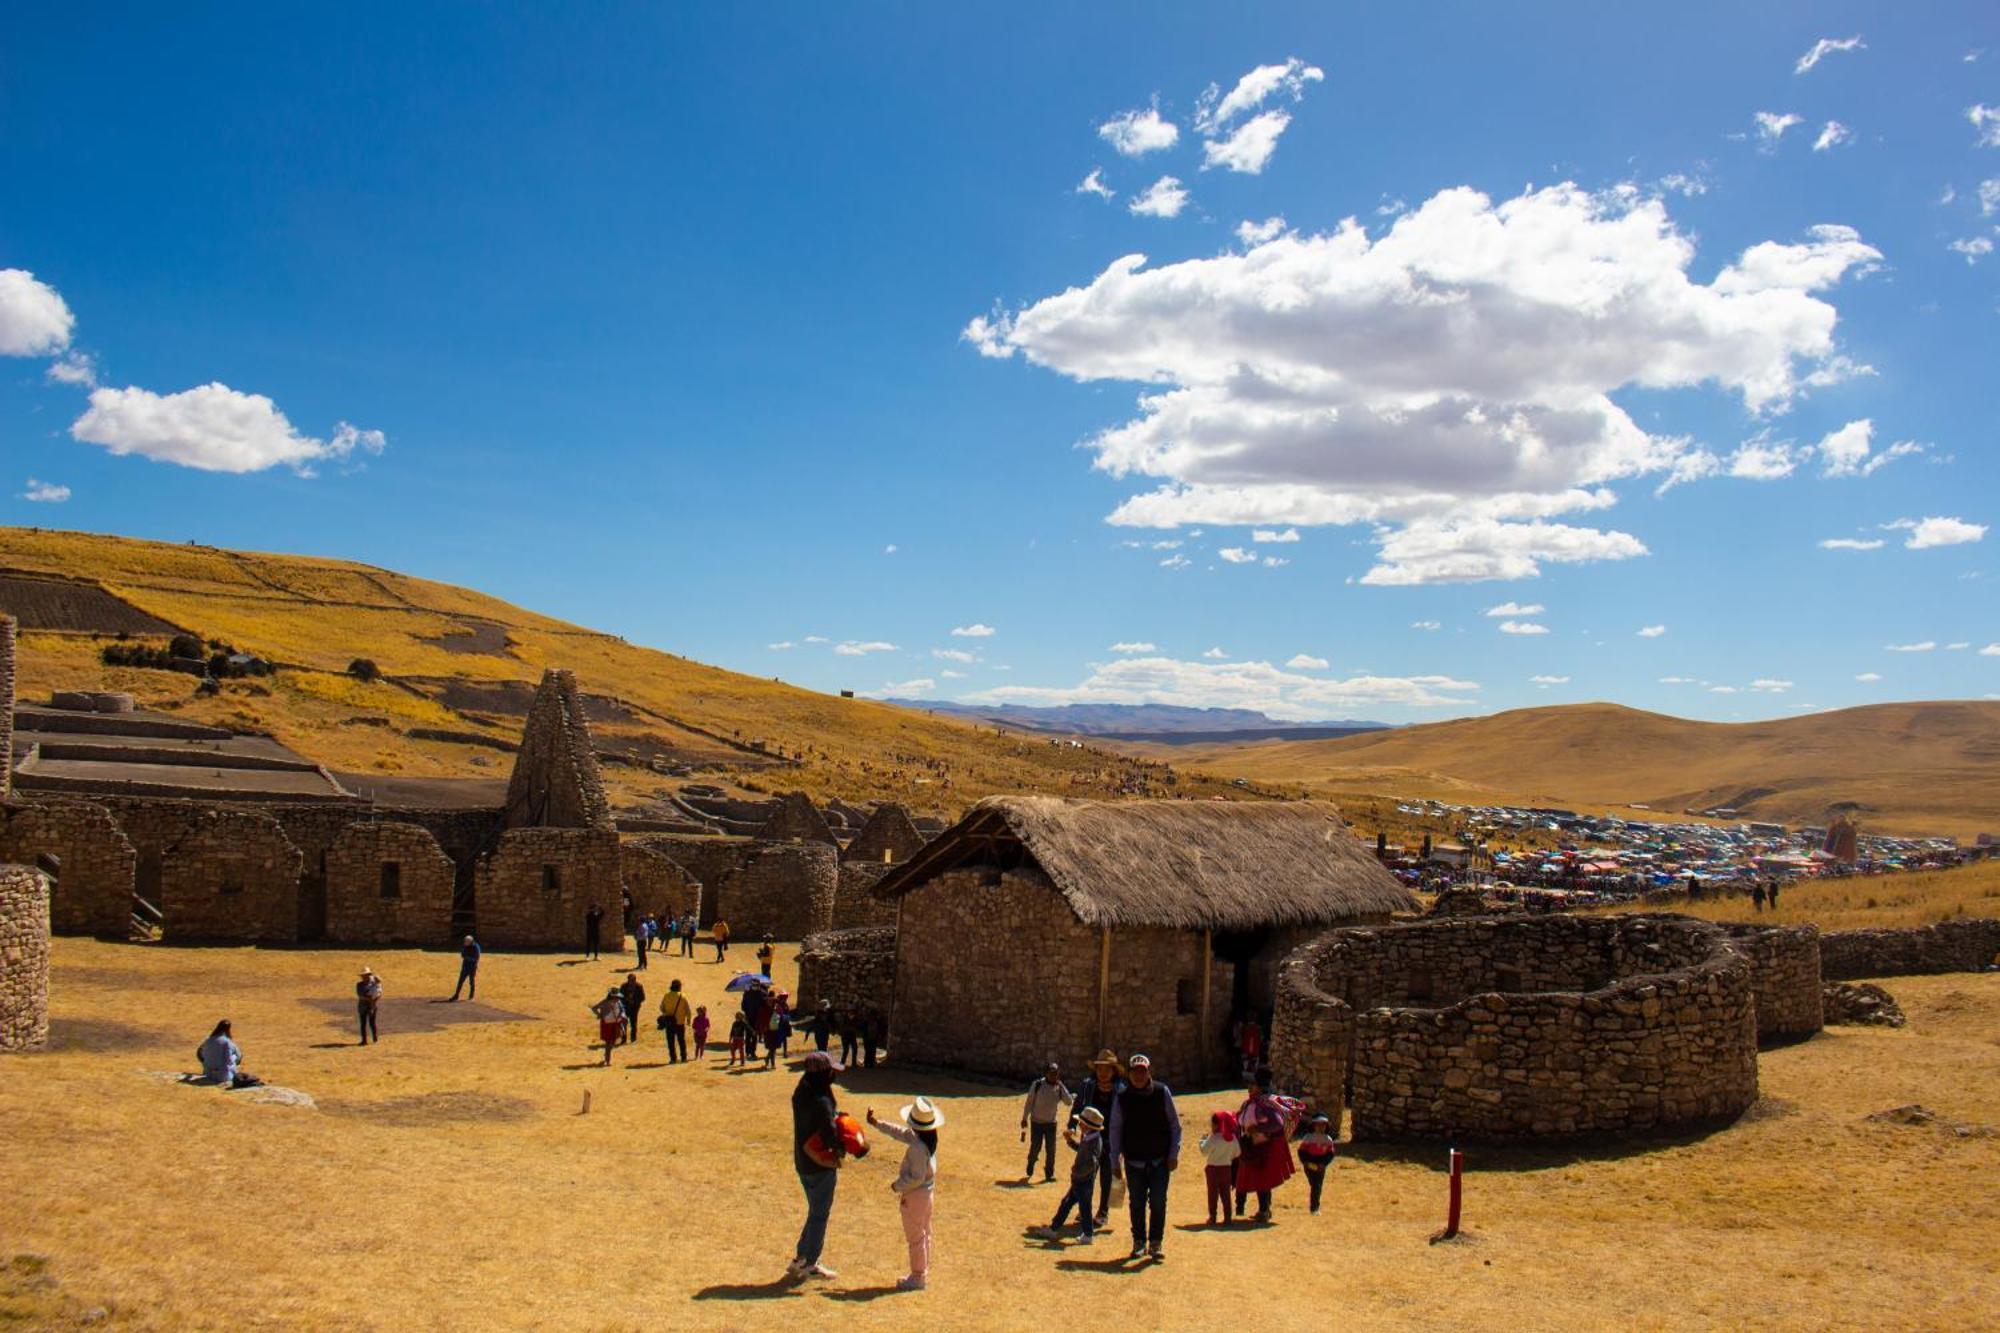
<point x="392" y="879"/>
<point x="551" y="879"/>
<point x="1187" y="997"/>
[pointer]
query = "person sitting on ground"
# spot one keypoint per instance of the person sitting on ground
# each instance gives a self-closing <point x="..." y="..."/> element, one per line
<point x="1085" y="1134"/>
<point x="222" y="1062"/>
<point x="468" y="970"/>
<point x="915" y="1183"/>
<point x="610" y="1013"/>
<point x="1316" y="1151"/>
<point x="1220" y="1148"/>
<point x="367" y="1001"/>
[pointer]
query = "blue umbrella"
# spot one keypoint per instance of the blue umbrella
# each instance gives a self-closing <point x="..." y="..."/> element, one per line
<point x="745" y="980"/>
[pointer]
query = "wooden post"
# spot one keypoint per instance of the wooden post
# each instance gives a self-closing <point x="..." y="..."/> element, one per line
<point x="1103" y="985"/>
<point x="1205" y="1040"/>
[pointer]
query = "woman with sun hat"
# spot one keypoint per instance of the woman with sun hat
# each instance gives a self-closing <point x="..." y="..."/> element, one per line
<point x="916" y="1182"/>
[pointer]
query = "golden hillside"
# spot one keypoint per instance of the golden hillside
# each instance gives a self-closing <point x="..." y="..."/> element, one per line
<point x="1903" y="768"/>
<point x="458" y="661"/>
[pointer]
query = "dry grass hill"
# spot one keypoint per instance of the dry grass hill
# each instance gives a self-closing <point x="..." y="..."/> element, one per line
<point x="458" y="667"/>
<point x="1902" y="768"/>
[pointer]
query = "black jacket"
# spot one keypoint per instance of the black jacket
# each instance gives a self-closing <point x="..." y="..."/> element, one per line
<point x="813" y="1108"/>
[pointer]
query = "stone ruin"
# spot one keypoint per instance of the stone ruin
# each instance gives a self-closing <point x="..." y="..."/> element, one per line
<point x="24" y="902"/>
<point x="1966" y="945"/>
<point x="856" y="969"/>
<point x="781" y="889"/>
<point x="797" y="820"/>
<point x="555" y="783"/>
<point x="1861" y="1004"/>
<point x="1784" y="973"/>
<point x="889" y="838"/>
<point x="388" y="882"/>
<point x="1520" y="1027"/>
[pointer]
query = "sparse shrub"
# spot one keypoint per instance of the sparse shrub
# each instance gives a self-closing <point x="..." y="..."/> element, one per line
<point x="186" y="645"/>
<point x="364" y="669"/>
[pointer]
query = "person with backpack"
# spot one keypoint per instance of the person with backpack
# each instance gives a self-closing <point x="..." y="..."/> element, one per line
<point x="1146" y="1137"/>
<point x="1047" y="1096"/>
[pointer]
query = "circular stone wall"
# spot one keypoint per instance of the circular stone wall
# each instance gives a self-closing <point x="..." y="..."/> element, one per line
<point x="1520" y="1027"/>
<point x="1784" y="973"/>
<point x="24" y="958"/>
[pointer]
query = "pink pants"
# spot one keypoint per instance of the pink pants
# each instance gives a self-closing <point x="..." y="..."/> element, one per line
<point x="917" y="1230"/>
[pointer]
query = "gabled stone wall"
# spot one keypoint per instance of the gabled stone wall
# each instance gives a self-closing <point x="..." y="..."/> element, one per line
<point x="233" y="877"/>
<point x="533" y="890"/>
<point x="24" y="959"/>
<point x="94" y="864"/>
<point x="657" y="883"/>
<point x="781" y="889"/>
<point x="360" y="905"/>
<point x="854" y="902"/>
<point x="555" y="783"/>
<point x="855" y="969"/>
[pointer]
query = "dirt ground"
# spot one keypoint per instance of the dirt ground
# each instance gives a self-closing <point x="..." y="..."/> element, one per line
<point x="447" y="1180"/>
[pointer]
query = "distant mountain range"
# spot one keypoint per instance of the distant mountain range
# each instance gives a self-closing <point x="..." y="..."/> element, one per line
<point x="1163" y="723"/>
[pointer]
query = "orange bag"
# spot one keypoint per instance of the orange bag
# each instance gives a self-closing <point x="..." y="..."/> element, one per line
<point x="853" y="1141"/>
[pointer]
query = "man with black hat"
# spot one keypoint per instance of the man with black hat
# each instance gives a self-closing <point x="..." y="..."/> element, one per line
<point x="813" y="1109"/>
<point x="1100" y="1090"/>
<point x="1146" y="1136"/>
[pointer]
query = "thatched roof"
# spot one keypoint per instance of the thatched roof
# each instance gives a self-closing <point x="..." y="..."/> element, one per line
<point x="1191" y="865"/>
<point x="889" y="830"/>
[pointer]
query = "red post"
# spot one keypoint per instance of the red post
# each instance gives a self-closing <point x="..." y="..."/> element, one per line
<point x="1457" y="1193"/>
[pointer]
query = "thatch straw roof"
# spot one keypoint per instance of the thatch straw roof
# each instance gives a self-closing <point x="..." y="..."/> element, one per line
<point x="1190" y="865"/>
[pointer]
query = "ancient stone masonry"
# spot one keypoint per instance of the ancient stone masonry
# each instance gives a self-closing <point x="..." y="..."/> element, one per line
<point x="658" y="884"/>
<point x="24" y="958"/>
<point x="1018" y="984"/>
<point x="712" y="862"/>
<point x="887" y="840"/>
<point x="555" y="782"/>
<point x="388" y="883"/>
<point x="1521" y="1027"/>
<point x="6" y="705"/>
<point x="1861" y="1004"/>
<point x="852" y="968"/>
<point x="1784" y="973"/>
<point x="534" y="889"/>
<point x="1968" y="945"/>
<point x="784" y="890"/>
<point x="234" y="876"/>
<point x="797" y="819"/>
<point x="89" y="860"/>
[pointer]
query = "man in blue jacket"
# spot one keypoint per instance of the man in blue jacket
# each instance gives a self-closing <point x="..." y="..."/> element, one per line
<point x="468" y="969"/>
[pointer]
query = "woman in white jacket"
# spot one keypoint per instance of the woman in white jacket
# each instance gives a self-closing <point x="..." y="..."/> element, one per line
<point x="915" y="1182"/>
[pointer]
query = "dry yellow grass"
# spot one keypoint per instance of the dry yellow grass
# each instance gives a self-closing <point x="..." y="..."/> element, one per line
<point x="447" y="1182"/>
<point x="321" y="614"/>
<point x="1912" y="767"/>
<point x="1916" y="899"/>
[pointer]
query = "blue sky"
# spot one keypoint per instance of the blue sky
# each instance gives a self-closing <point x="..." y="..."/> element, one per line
<point x="731" y="330"/>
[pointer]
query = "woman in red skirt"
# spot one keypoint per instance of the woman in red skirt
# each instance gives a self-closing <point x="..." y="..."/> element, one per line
<point x="1266" y="1162"/>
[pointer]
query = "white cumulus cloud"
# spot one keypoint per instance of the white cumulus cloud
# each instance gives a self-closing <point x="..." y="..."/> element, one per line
<point x="1985" y="124"/>
<point x="1216" y="655"/>
<point x="1768" y="685"/>
<point x="74" y="368"/>
<point x="974" y="631"/>
<point x="1236" y="555"/>
<point x="213" y="428"/>
<point x="1652" y="631"/>
<point x="1094" y="184"/>
<point x="1214" y="109"/>
<point x="1137" y="133"/>
<point x="1514" y="609"/>
<point x="859" y="648"/>
<point x="1247" y="148"/>
<point x="782" y="646"/>
<point x="1307" y="662"/>
<point x="1869" y="677"/>
<point x="917" y="686"/>
<point x="45" y="493"/>
<point x="954" y="655"/>
<point x="1771" y="127"/>
<point x="1973" y="248"/>
<point x="1256" y="233"/>
<point x="34" y="320"/>
<point x="1989" y="197"/>
<point x="1928" y="645"/>
<point x="1834" y="135"/>
<point x="1450" y="383"/>
<point x="1274" y="535"/>
<point x="1825" y="47"/>
<point x="1427" y="624"/>
<point x="1926" y="533"/>
<point x="1164" y="198"/>
<point x="1548" y="680"/>
<point x="1852" y="544"/>
<point x="1134" y="647"/>
<point x="1522" y="627"/>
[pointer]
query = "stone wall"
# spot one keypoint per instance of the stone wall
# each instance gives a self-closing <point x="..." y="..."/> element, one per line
<point x="6" y="705"/>
<point x="657" y="883"/>
<point x="854" y="902"/>
<point x="783" y="889"/>
<point x="1784" y="973"/>
<point x="93" y="864"/>
<point x="24" y="959"/>
<point x="367" y="902"/>
<point x="1950" y="946"/>
<point x="1521" y="1027"/>
<point x="555" y="783"/>
<point x="234" y="876"/>
<point x="712" y="862"/>
<point x="995" y="974"/>
<point x="533" y="890"/>
<point x="856" y="969"/>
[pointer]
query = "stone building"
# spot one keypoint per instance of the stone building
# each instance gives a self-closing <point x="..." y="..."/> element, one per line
<point x="537" y="885"/>
<point x="233" y="876"/>
<point x="388" y="883"/>
<point x="885" y="841"/>
<point x="1521" y="1026"/>
<point x="854" y="969"/>
<point x="658" y="883"/>
<point x="1784" y="973"/>
<point x="781" y="889"/>
<point x="555" y="783"/>
<point x="90" y="863"/>
<point x="24" y="958"/>
<point x="797" y="820"/>
<point x="1039" y="928"/>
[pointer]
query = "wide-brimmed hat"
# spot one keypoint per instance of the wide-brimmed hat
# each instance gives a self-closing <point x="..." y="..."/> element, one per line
<point x="1107" y="1056"/>
<point x="921" y="1114"/>
<point x="1091" y="1116"/>
<point x="367" y="971"/>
